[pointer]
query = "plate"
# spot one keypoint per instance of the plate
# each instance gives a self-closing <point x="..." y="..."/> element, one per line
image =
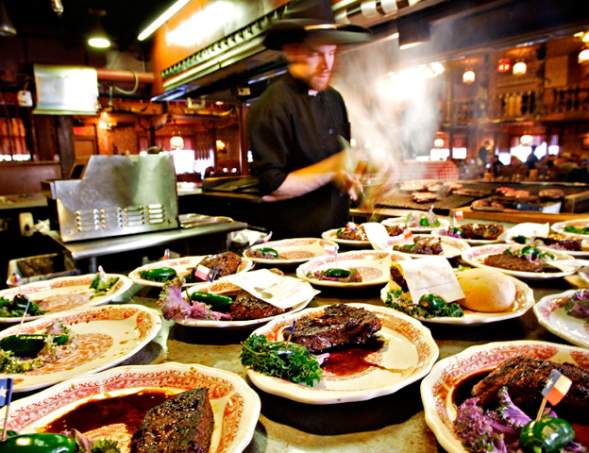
<point x="560" y="226"/>
<point x="295" y="251"/>
<point x="523" y="302"/>
<point x="330" y="235"/>
<point x="373" y="265"/>
<point x="64" y="294"/>
<point x="438" y="387"/>
<point x="105" y="335"/>
<point x="409" y="346"/>
<point x="181" y="265"/>
<point x="451" y="247"/>
<point x="553" y="317"/>
<point x="235" y="405"/>
<point x="531" y="230"/>
<point x="477" y="255"/>
<point x="218" y="287"/>
<point x="444" y="223"/>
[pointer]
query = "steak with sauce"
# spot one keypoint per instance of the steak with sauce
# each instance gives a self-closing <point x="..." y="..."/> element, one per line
<point x="525" y="377"/>
<point x="222" y="264"/>
<point x="339" y="325"/>
<point x="183" y="424"/>
<point x="245" y="306"/>
<point x="514" y="263"/>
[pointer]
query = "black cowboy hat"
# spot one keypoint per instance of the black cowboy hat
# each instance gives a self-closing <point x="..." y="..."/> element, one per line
<point x="312" y="21"/>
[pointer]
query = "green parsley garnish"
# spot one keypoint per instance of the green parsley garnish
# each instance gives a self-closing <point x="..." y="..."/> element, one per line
<point x="429" y="305"/>
<point x="290" y="361"/>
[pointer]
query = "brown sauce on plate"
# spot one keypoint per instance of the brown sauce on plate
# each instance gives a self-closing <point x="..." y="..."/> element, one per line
<point x="352" y="360"/>
<point x="129" y="410"/>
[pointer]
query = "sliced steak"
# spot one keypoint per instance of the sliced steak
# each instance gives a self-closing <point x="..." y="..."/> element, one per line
<point x="514" y="263"/>
<point x="222" y="264"/>
<point x="339" y="325"/>
<point x="183" y="424"/>
<point x="489" y="231"/>
<point x="246" y="306"/>
<point x="525" y="377"/>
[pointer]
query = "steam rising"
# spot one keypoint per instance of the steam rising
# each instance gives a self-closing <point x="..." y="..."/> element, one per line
<point x="393" y="105"/>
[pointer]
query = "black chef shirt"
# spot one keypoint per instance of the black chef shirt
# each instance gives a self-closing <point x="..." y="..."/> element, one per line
<point x="290" y="129"/>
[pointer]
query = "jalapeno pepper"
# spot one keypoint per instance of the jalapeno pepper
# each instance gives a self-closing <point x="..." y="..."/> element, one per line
<point x="29" y="345"/>
<point x="432" y="302"/>
<point x="159" y="274"/>
<point x="267" y="252"/>
<point x="547" y="435"/>
<point x="39" y="443"/>
<point x="217" y="301"/>
<point x="337" y="273"/>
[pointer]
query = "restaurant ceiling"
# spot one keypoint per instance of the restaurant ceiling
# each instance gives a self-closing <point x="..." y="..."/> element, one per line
<point x="123" y="21"/>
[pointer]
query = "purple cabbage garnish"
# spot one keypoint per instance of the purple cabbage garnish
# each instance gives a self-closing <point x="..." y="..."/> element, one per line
<point x="173" y="305"/>
<point x="578" y="304"/>
<point x="476" y="431"/>
<point x="509" y="412"/>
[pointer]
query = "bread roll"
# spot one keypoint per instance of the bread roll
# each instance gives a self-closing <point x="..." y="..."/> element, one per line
<point x="486" y="290"/>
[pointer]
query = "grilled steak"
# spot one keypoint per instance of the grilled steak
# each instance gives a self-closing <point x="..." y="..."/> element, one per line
<point x="525" y="377"/>
<point x="222" y="264"/>
<point x="481" y="231"/>
<point x="339" y="325"/>
<point x="575" y="245"/>
<point x="515" y="263"/>
<point x="246" y="306"/>
<point x="395" y="230"/>
<point x="183" y="424"/>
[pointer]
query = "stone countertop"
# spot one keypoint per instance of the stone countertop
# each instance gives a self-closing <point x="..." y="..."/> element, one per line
<point x="393" y="423"/>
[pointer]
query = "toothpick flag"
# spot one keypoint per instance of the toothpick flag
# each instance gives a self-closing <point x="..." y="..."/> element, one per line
<point x="556" y="387"/>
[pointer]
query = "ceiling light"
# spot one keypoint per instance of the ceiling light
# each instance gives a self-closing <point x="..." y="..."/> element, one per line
<point x="526" y="140"/>
<point x="520" y="68"/>
<point x="583" y="56"/>
<point x="161" y="20"/>
<point x="6" y="26"/>
<point x="439" y="142"/>
<point x="98" y="38"/>
<point x="468" y="77"/>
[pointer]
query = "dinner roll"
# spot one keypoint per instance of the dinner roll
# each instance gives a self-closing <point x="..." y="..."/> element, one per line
<point x="486" y="290"/>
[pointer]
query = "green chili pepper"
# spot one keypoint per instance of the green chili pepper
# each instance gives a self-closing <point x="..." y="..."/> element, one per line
<point x="423" y="222"/>
<point x="337" y="273"/>
<point x="217" y="301"/>
<point x="432" y="302"/>
<point x="547" y="435"/>
<point x="39" y="443"/>
<point x="29" y="345"/>
<point x="520" y="239"/>
<point x="159" y="274"/>
<point x="268" y="251"/>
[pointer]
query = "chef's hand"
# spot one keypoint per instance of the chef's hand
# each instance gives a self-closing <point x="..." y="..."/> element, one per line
<point x="349" y="183"/>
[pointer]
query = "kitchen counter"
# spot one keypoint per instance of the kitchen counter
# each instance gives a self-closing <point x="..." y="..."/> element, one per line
<point x="393" y="423"/>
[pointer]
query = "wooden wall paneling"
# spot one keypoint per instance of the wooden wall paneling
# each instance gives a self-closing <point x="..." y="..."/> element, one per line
<point x="65" y="142"/>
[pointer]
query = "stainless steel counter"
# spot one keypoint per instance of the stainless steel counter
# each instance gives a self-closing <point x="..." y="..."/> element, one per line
<point x="109" y="246"/>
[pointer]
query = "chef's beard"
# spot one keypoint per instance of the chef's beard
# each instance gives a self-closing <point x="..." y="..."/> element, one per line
<point x="319" y="82"/>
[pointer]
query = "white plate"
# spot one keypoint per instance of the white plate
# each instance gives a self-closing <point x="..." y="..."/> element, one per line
<point x="577" y="254"/>
<point x="105" y="335"/>
<point x="476" y="256"/>
<point x="181" y="266"/>
<point x="330" y="235"/>
<point x="523" y="302"/>
<point x="560" y="226"/>
<point x="295" y="251"/>
<point x="65" y="294"/>
<point x="236" y="407"/>
<point x="408" y="346"/>
<point x="218" y="287"/>
<point x="438" y="387"/>
<point x="444" y="223"/>
<point x="552" y="315"/>
<point x="451" y="247"/>
<point x="373" y="265"/>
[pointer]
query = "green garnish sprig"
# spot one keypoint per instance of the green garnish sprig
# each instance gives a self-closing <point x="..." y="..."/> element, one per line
<point x="285" y="360"/>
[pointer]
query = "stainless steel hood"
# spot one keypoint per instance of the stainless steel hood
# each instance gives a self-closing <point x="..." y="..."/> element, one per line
<point x="240" y="56"/>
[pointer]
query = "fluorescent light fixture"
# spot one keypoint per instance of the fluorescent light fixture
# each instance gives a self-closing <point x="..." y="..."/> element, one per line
<point x="99" y="42"/>
<point x="162" y="19"/>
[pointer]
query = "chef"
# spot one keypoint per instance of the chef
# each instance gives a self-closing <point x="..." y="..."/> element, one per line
<point x="296" y="126"/>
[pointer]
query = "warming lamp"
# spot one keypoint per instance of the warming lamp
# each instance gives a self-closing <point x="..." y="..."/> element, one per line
<point x="520" y="68"/>
<point x="468" y="77"/>
<point x="504" y="65"/>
